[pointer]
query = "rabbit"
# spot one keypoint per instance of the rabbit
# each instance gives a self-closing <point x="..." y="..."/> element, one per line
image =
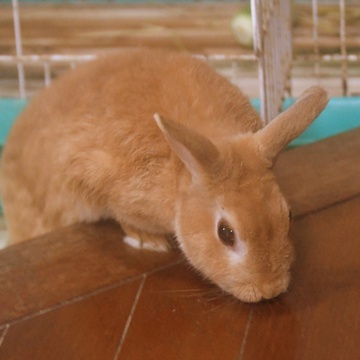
<point x="165" y="146"/>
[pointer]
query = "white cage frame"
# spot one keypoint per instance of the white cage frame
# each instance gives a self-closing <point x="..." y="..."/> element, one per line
<point x="272" y="45"/>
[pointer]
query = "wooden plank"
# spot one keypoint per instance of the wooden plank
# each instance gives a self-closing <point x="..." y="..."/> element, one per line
<point x="88" y="329"/>
<point x="58" y="27"/>
<point x="68" y="263"/>
<point x="321" y="174"/>
<point x="319" y="317"/>
<point x="180" y="316"/>
<point x="90" y="27"/>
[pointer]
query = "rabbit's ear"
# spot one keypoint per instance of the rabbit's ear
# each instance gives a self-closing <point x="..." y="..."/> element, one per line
<point x="197" y="152"/>
<point x="292" y="122"/>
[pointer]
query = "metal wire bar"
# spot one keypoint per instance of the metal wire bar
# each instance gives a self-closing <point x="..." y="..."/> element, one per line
<point x="73" y="59"/>
<point x="335" y="58"/>
<point x="315" y="17"/>
<point x="257" y="15"/>
<point x="47" y="74"/>
<point x="20" y="66"/>
<point x="344" y="65"/>
<point x="41" y="59"/>
<point x="287" y="40"/>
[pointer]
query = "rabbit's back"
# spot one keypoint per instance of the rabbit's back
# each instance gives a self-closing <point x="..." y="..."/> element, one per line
<point x="102" y="115"/>
<point x="113" y="100"/>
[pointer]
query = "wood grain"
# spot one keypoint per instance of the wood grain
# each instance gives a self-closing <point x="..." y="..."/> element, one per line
<point x="319" y="318"/>
<point x="201" y="323"/>
<point x="75" y="28"/>
<point x="88" y="329"/>
<point x="46" y="271"/>
<point x="321" y="174"/>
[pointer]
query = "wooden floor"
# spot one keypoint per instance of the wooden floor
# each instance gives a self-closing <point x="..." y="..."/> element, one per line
<point x="80" y="293"/>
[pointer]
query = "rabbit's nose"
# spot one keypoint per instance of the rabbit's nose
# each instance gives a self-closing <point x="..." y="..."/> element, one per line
<point x="274" y="288"/>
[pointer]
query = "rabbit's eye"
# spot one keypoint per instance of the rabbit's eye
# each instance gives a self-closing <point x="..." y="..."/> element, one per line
<point x="226" y="233"/>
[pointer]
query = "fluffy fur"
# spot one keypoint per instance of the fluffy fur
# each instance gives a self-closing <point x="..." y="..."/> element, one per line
<point x="88" y="148"/>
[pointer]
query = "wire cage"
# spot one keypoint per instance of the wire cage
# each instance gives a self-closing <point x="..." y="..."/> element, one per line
<point x="328" y="51"/>
<point x="295" y="43"/>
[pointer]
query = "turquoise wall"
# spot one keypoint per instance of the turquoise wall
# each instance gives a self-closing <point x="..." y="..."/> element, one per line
<point x="341" y="114"/>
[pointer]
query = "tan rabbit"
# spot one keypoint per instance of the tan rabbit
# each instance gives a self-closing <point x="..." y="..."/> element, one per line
<point x="88" y="148"/>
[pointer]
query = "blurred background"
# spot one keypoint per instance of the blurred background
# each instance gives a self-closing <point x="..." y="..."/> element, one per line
<point x="83" y="28"/>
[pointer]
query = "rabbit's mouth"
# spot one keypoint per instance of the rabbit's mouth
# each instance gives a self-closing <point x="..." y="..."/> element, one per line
<point x="252" y="292"/>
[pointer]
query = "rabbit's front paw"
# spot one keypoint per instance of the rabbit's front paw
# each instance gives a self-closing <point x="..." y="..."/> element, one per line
<point x="144" y="241"/>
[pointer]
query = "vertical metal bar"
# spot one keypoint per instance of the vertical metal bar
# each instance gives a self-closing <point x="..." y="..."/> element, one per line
<point x="20" y="65"/>
<point x="289" y="48"/>
<point x="315" y="17"/>
<point x="257" y="16"/>
<point x="273" y="61"/>
<point x="233" y="70"/>
<point x="47" y="74"/>
<point x="278" y="65"/>
<point x="344" y="64"/>
<point x="286" y="6"/>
